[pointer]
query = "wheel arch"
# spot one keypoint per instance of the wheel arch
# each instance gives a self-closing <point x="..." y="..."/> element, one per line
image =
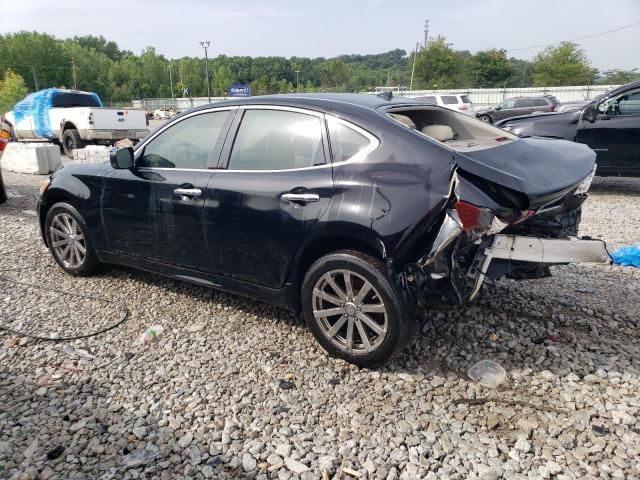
<point x="324" y="244"/>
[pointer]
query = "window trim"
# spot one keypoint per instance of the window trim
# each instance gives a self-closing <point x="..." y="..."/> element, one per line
<point x="329" y="163"/>
<point x="139" y="150"/>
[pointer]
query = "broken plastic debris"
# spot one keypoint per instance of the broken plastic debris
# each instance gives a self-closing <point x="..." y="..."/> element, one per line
<point x="487" y="373"/>
<point x="76" y="352"/>
<point x="151" y="334"/>
<point x="628" y="256"/>
<point x="140" y="456"/>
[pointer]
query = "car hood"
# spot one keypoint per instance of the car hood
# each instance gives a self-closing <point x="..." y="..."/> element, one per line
<point x="534" y="166"/>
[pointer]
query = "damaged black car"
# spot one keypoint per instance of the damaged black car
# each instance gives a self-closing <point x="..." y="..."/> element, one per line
<point x="356" y="210"/>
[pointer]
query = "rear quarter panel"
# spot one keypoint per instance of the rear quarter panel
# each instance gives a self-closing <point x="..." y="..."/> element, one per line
<point x="396" y="193"/>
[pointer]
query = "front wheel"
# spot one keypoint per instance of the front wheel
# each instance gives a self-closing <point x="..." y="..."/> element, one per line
<point x="485" y="118"/>
<point x="353" y="310"/>
<point x="67" y="238"/>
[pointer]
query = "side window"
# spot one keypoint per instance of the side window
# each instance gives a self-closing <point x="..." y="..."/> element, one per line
<point x="345" y="141"/>
<point x="524" y="102"/>
<point x="508" y="104"/>
<point x="629" y="103"/>
<point x="449" y="99"/>
<point x="187" y="144"/>
<point x="277" y="140"/>
<point x="540" y="102"/>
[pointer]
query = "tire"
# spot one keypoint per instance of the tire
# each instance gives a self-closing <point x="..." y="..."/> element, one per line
<point x="485" y="119"/>
<point x="62" y="222"/>
<point x="382" y="305"/>
<point x="71" y="141"/>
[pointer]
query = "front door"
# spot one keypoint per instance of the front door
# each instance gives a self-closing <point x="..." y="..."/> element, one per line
<point x="615" y="134"/>
<point x="275" y="186"/>
<point x="155" y="210"/>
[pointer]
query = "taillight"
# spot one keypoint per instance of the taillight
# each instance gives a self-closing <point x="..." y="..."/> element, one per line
<point x="4" y="138"/>
<point x="553" y="108"/>
<point x="463" y="107"/>
<point x="469" y="214"/>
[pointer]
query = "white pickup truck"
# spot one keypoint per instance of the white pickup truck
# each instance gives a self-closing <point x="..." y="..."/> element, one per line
<point x="73" y="119"/>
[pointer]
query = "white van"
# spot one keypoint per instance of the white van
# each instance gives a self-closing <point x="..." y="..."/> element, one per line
<point x="454" y="101"/>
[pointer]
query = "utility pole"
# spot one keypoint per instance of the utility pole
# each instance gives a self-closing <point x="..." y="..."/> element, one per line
<point x="205" y="45"/>
<point x="426" y="32"/>
<point x="73" y="66"/>
<point x="413" y="69"/>
<point x="171" y="80"/>
<point x="35" y="79"/>
<point x="297" y="81"/>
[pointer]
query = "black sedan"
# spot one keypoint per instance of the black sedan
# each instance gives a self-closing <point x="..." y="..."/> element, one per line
<point x="355" y="210"/>
<point x="609" y="124"/>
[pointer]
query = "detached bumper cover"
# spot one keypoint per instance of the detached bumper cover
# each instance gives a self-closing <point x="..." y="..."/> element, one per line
<point x="547" y="250"/>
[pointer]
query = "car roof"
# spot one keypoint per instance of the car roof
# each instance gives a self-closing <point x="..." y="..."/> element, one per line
<point x="322" y="101"/>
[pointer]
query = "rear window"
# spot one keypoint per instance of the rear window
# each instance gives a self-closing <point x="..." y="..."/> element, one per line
<point x="524" y="102"/>
<point x="428" y="99"/>
<point x="554" y="100"/>
<point x="75" y="100"/>
<point x="465" y="99"/>
<point x="449" y="99"/>
<point x="540" y="102"/>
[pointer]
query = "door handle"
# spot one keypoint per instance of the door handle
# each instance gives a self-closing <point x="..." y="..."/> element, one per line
<point x="188" y="192"/>
<point x="300" y="197"/>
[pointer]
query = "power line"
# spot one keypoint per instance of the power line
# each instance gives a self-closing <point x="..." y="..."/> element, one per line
<point x="576" y="39"/>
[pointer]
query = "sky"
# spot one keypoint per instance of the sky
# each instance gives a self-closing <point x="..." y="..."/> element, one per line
<point x="327" y="28"/>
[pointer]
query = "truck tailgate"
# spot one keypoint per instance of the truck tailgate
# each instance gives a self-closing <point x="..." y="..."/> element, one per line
<point x="118" y="119"/>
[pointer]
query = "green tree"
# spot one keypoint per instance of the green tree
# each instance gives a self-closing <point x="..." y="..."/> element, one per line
<point x="488" y="68"/>
<point x="563" y="65"/>
<point x="616" y="76"/>
<point x="438" y="65"/>
<point x="12" y="90"/>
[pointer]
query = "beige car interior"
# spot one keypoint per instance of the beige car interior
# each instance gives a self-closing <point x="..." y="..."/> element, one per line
<point x="456" y="130"/>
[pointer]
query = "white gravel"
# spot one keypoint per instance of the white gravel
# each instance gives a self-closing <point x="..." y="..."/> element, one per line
<point x="237" y="389"/>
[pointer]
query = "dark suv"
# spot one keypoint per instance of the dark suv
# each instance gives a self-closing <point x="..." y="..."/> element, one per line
<point x="514" y="107"/>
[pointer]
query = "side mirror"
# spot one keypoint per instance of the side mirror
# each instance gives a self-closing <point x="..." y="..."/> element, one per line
<point x="498" y="108"/>
<point x="121" y="158"/>
<point x="589" y="113"/>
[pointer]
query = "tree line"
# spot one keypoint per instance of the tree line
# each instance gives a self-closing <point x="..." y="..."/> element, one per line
<point x="30" y="61"/>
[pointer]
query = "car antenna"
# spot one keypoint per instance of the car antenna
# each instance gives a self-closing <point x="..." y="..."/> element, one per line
<point x="386" y="95"/>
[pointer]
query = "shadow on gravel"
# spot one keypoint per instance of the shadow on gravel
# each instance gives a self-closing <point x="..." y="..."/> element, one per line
<point x="622" y="185"/>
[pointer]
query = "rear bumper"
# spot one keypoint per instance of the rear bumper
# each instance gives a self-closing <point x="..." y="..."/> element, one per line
<point x="113" y="134"/>
<point x="547" y="250"/>
<point x="541" y="251"/>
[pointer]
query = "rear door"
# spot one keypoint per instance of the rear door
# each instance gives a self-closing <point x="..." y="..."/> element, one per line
<point x="274" y="186"/>
<point x="615" y="135"/>
<point x="541" y="105"/>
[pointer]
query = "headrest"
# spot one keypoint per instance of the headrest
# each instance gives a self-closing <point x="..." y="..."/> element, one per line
<point x="442" y="133"/>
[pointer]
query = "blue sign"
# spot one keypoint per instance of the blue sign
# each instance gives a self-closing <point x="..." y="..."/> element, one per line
<point x="240" y="91"/>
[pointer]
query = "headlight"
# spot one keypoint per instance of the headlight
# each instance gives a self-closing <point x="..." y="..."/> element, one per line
<point x="586" y="183"/>
<point x="507" y="128"/>
<point x="44" y="185"/>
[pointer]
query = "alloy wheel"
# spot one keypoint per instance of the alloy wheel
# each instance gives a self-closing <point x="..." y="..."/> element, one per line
<point x="350" y="311"/>
<point x="67" y="240"/>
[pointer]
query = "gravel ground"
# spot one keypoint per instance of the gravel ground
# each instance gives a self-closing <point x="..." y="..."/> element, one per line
<point x="237" y="389"/>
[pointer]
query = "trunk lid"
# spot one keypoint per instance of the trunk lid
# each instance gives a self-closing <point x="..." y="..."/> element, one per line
<point x="540" y="168"/>
<point x="118" y="119"/>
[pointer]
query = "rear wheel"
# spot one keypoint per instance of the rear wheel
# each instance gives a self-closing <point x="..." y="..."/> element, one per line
<point x="485" y="118"/>
<point x="71" y="141"/>
<point x="353" y="310"/>
<point x="68" y="241"/>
